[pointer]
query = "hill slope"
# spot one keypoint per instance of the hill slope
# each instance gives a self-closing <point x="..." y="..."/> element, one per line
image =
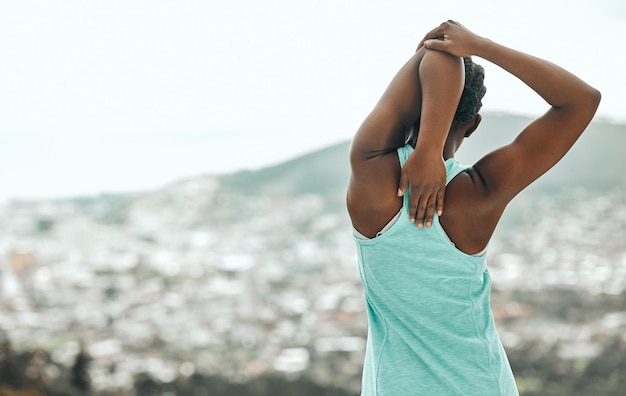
<point x="595" y="162"/>
<point x="323" y="172"/>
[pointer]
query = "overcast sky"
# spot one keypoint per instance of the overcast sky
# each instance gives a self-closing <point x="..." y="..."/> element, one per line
<point x="127" y="95"/>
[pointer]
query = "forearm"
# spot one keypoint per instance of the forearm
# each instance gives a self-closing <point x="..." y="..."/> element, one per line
<point x="442" y="78"/>
<point x="557" y="86"/>
<point x="541" y="144"/>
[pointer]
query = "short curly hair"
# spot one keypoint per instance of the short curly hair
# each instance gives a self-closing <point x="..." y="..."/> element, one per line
<point x="473" y="92"/>
<point x="470" y="102"/>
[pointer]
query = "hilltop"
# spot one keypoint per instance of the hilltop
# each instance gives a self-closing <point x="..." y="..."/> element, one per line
<point x="594" y="166"/>
<point x="595" y="162"/>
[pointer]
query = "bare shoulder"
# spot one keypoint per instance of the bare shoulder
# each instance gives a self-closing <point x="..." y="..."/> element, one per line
<point x="375" y="169"/>
<point x="471" y="215"/>
<point x="371" y="198"/>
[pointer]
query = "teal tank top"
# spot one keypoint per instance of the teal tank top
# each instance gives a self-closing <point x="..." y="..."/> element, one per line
<point x="430" y="327"/>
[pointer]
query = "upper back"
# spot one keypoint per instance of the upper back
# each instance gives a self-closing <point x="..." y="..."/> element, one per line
<point x="469" y="218"/>
<point x="470" y="214"/>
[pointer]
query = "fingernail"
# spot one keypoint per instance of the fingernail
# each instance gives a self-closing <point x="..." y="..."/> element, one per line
<point x="420" y="225"/>
<point x="399" y="192"/>
<point x="412" y="220"/>
<point x="428" y="224"/>
<point x="439" y="212"/>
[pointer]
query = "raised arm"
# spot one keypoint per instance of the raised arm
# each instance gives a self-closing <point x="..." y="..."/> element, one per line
<point x="442" y="81"/>
<point x="427" y="88"/>
<point x="573" y="103"/>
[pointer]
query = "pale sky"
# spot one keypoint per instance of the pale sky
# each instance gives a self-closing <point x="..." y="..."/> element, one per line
<point x="110" y="96"/>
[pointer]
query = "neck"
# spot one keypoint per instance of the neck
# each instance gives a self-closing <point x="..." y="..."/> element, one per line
<point x="452" y="145"/>
<point x="448" y="152"/>
<point x="450" y="148"/>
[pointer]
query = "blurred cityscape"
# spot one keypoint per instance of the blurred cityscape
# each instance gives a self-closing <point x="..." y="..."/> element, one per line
<point x="163" y="283"/>
<point x="238" y="277"/>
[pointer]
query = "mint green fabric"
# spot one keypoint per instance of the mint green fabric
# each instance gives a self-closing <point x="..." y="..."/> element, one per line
<point x="430" y="326"/>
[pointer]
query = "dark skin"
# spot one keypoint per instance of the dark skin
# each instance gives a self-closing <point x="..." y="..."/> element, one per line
<point x="427" y="88"/>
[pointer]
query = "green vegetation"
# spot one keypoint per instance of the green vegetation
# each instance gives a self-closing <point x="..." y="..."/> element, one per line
<point x="538" y="366"/>
<point x="539" y="371"/>
<point x="323" y="172"/>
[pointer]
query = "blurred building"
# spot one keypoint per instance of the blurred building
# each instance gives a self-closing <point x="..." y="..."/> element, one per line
<point x="16" y="273"/>
<point x="21" y="262"/>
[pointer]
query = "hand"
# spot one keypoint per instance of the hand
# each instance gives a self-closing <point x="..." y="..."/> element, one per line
<point x="426" y="176"/>
<point x="451" y="37"/>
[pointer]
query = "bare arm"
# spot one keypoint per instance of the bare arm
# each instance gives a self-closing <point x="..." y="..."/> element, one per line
<point x="573" y="103"/>
<point x="372" y="198"/>
<point x="442" y="85"/>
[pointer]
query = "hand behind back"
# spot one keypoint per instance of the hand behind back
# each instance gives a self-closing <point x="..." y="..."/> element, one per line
<point x="425" y="177"/>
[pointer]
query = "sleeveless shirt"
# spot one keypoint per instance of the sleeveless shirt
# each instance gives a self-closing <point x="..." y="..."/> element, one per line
<point x="430" y="326"/>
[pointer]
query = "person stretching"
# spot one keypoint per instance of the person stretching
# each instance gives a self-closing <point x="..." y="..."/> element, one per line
<point x="422" y="264"/>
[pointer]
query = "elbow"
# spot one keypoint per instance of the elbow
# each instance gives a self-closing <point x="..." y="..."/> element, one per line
<point x="585" y="100"/>
<point x="357" y="153"/>
<point x="596" y="96"/>
<point x="588" y="101"/>
<point x="593" y="98"/>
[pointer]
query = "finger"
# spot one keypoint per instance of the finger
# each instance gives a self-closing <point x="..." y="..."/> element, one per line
<point x="436" y="44"/>
<point x="421" y="211"/>
<point x="414" y="201"/>
<point x="403" y="185"/>
<point x="438" y="31"/>
<point x="441" y="194"/>
<point x="429" y="211"/>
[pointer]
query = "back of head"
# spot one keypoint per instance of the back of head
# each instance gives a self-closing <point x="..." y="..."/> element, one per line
<point x="473" y="93"/>
<point x="471" y="99"/>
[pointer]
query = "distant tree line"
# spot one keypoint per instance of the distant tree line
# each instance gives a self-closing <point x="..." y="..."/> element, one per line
<point x="540" y="371"/>
<point x="537" y="366"/>
<point x="28" y="373"/>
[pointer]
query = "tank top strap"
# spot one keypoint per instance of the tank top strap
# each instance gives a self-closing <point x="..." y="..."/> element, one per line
<point x="453" y="168"/>
<point x="404" y="152"/>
